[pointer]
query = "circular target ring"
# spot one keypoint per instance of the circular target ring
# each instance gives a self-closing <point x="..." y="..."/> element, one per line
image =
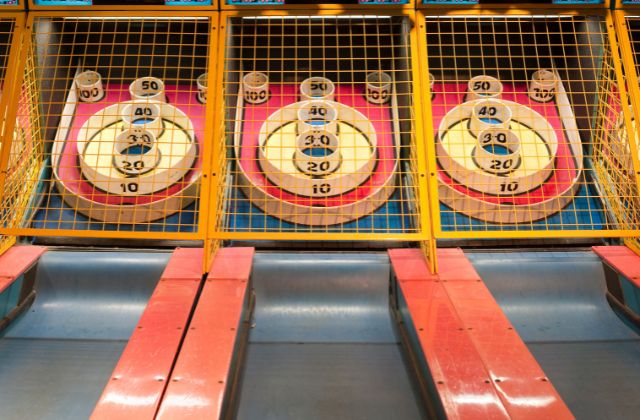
<point x="538" y="148"/>
<point x="97" y="146"/>
<point x="135" y="151"/>
<point x="357" y="143"/>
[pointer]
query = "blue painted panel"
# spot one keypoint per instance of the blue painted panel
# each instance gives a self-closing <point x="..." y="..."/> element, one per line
<point x="4" y="303"/>
<point x="54" y="379"/>
<point x="56" y="214"/>
<point x="10" y="296"/>
<point x="320" y="297"/>
<point x="392" y="217"/>
<point x="89" y="295"/>
<point x="556" y="301"/>
<point x="584" y="212"/>
<point x="326" y="381"/>
<point x="552" y="295"/>
<point x="631" y="295"/>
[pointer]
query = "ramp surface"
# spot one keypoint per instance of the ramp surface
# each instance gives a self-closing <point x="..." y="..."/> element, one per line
<point x="556" y="301"/>
<point x="56" y="358"/>
<point x="323" y="345"/>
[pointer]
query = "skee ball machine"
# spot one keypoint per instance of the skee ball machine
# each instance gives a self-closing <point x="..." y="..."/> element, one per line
<point x="273" y="195"/>
<point x="108" y="116"/>
<point x="530" y="118"/>
<point x="121" y="124"/>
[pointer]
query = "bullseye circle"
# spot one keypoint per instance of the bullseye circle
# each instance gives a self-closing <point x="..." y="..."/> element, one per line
<point x="98" y="138"/>
<point x="317" y="153"/>
<point x="538" y="148"/>
<point x="356" y="148"/>
<point x="497" y="151"/>
<point x="135" y="151"/>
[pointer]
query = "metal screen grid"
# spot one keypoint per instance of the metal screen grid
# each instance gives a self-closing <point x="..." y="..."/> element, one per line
<point x="548" y="156"/>
<point x="7" y="27"/>
<point x="628" y="34"/>
<point x="363" y="179"/>
<point x="123" y="103"/>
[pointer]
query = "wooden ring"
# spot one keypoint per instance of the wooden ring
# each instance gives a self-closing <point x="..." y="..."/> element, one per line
<point x="356" y="148"/>
<point x="542" y="86"/>
<point x="89" y="86"/>
<point x="483" y="87"/>
<point x="307" y="158"/>
<point x="147" y="89"/>
<point x="96" y="144"/>
<point x="317" y="88"/>
<point x="144" y="159"/>
<point x="145" y="114"/>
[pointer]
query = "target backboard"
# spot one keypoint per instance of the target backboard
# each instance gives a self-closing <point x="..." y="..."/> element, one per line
<point x="529" y="133"/>
<point x="321" y="130"/>
<point x="116" y="107"/>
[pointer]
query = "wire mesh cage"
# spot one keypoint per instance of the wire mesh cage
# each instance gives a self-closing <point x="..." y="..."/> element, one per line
<point x="114" y="109"/>
<point x="529" y="129"/>
<point x="627" y="26"/>
<point x="320" y="130"/>
<point x="10" y="35"/>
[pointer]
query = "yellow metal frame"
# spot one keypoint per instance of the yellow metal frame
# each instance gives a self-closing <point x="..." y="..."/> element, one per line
<point x="214" y="7"/>
<point x="316" y="9"/>
<point x="631" y="73"/>
<point x="471" y="9"/>
<point x="215" y="230"/>
<point x="203" y="209"/>
<point x="11" y="74"/>
<point x="430" y="132"/>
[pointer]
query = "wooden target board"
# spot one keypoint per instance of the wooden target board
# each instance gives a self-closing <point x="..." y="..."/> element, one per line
<point x="119" y="118"/>
<point x="320" y="126"/>
<point x="309" y="192"/>
<point x="101" y="186"/>
<point x="488" y="176"/>
<point x="526" y="118"/>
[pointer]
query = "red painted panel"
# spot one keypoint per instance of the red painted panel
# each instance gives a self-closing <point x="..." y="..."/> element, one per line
<point x="484" y="350"/>
<point x="409" y="264"/>
<point x="621" y="259"/>
<point x="199" y="379"/>
<point x="232" y="264"/>
<point x="139" y="379"/>
<point x="184" y="264"/>
<point x="462" y="381"/>
<point x="519" y="380"/>
<point x="16" y="261"/>
<point x="454" y="266"/>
